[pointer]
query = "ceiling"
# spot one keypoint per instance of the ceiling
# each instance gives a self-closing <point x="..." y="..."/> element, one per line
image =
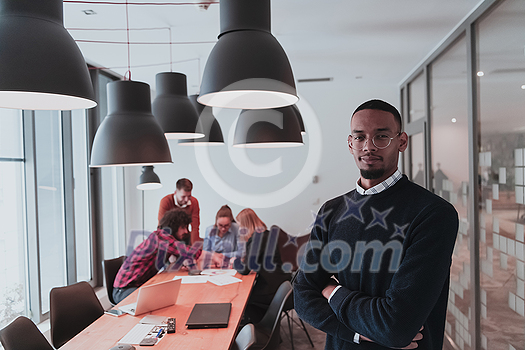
<point x="352" y="41"/>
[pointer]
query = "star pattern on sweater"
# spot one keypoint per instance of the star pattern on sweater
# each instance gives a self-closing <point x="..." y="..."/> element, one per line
<point x="399" y="231"/>
<point x="319" y="220"/>
<point x="291" y="240"/>
<point x="353" y="208"/>
<point x="379" y="218"/>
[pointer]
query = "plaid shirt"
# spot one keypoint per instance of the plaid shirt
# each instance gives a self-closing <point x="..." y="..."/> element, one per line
<point x="389" y="182"/>
<point x="147" y="259"/>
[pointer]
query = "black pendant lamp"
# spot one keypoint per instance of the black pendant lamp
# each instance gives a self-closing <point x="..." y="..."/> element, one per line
<point x="208" y="124"/>
<point x="129" y="135"/>
<point x="148" y="179"/>
<point x="247" y="68"/>
<point x="267" y="128"/>
<point x="299" y="119"/>
<point x="172" y="108"/>
<point x="41" y="67"/>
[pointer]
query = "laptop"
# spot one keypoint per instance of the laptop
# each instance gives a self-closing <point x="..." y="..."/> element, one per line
<point x="212" y="315"/>
<point x="153" y="297"/>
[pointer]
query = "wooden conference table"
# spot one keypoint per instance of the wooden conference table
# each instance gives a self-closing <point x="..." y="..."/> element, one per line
<point x="105" y="332"/>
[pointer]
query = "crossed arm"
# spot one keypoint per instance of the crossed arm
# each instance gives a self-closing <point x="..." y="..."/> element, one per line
<point x="393" y="320"/>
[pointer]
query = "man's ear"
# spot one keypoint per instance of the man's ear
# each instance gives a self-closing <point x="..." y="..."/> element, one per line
<point x="350" y="148"/>
<point x="403" y="142"/>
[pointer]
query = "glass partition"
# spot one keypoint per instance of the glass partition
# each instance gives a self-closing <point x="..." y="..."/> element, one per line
<point x="501" y="76"/>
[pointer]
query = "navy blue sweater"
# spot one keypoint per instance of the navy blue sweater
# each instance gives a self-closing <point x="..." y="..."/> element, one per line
<point x="391" y="252"/>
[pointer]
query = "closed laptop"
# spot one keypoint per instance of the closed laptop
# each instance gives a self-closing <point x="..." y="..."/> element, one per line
<point x="210" y="315"/>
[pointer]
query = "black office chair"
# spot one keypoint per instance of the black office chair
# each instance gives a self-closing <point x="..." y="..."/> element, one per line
<point x="245" y="338"/>
<point x="111" y="267"/>
<point x="289" y="253"/>
<point x="23" y="334"/>
<point x="267" y="330"/>
<point x="72" y="308"/>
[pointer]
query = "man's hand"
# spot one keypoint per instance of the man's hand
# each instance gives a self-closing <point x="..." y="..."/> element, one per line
<point x="413" y="343"/>
<point x="329" y="288"/>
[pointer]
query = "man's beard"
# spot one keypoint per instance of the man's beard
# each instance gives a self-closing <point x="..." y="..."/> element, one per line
<point x="372" y="174"/>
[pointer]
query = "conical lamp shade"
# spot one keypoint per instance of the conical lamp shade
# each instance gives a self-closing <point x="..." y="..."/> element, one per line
<point x="41" y="67"/>
<point x="148" y="179"/>
<point x="172" y="108"/>
<point x="299" y="119"/>
<point x="267" y="128"/>
<point x="247" y="68"/>
<point x="129" y="135"/>
<point x="208" y="124"/>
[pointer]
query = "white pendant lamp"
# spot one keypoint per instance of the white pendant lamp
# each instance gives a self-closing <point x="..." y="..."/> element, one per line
<point x="41" y="67"/>
<point x="247" y="68"/>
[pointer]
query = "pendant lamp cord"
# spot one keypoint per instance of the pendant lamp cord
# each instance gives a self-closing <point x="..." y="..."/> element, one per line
<point x="171" y="59"/>
<point x="128" y="43"/>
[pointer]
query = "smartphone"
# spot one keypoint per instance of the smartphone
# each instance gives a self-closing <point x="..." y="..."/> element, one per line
<point x="115" y="312"/>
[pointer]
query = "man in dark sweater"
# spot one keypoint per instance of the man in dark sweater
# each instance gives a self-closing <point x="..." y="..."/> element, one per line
<point x="376" y="270"/>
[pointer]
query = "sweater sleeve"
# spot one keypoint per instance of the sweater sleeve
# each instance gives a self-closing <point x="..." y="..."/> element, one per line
<point x="310" y="304"/>
<point x="164" y="206"/>
<point x="195" y="220"/>
<point x="395" y="319"/>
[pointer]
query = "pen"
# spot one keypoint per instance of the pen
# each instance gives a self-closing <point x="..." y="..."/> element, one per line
<point x="160" y="331"/>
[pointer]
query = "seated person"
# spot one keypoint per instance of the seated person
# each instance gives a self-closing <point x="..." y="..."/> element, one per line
<point x="151" y="255"/>
<point x="223" y="237"/>
<point x="269" y="277"/>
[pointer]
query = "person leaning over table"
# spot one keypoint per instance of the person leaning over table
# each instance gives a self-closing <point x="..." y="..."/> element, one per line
<point x="254" y="231"/>
<point x="182" y="198"/>
<point x="223" y="237"/>
<point x="393" y="292"/>
<point x="152" y="254"/>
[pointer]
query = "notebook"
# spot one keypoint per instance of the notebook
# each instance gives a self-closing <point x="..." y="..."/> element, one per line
<point x="153" y="297"/>
<point x="212" y="315"/>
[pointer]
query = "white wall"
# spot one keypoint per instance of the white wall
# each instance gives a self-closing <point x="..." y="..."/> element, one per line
<point x="331" y="104"/>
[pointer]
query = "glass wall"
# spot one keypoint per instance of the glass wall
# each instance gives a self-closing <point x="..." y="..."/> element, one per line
<point x="13" y="286"/>
<point x="476" y="84"/>
<point x="450" y="175"/>
<point x="501" y="76"/>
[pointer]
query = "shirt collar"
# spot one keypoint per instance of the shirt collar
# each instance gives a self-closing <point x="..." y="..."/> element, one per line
<point x="177" y="203"/>
<point x="389" y="182"/>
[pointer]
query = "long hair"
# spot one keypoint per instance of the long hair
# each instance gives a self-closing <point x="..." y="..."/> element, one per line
<point x="249" y="221"/>
<point x="224" y="212"/>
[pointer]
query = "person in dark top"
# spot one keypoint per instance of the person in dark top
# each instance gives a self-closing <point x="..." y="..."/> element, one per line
<point x="375" y="273"/>
<point x="263" y="257"/>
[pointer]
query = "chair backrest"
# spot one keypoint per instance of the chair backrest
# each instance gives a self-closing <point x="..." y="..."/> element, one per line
<point x="72" y="308"/>
<point x="245" y="338"/>
<point x="111" y="267"/>
<point x="272" y="317"/>
<point x="287" y="249"/>
<point x="23" y="334"/>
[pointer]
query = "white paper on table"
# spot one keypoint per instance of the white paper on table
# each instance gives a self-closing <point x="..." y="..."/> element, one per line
<point x="191" y="279"/>
<point x="215" y="272"/>
<point x="222" y="280"/>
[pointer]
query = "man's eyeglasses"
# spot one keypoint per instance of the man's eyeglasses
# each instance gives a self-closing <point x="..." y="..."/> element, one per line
<point x="381" y="141"/>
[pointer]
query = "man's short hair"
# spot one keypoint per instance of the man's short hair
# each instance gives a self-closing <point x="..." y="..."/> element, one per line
<point x="382" y="106"/>
<point x="184" y="184"/>
<point x="173" y="219"/>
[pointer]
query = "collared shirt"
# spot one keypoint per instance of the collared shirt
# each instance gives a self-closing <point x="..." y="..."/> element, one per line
<point x="147" y="259"/>
<point x="229" y="245"/>
<point x="179" y="205"/>
<point x="389" y="182"/>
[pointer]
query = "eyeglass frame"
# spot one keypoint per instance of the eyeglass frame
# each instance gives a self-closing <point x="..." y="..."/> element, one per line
<point x="372" y="138"/>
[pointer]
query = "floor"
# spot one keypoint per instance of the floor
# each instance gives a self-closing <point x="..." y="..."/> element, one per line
<point x="299" y="337"/>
